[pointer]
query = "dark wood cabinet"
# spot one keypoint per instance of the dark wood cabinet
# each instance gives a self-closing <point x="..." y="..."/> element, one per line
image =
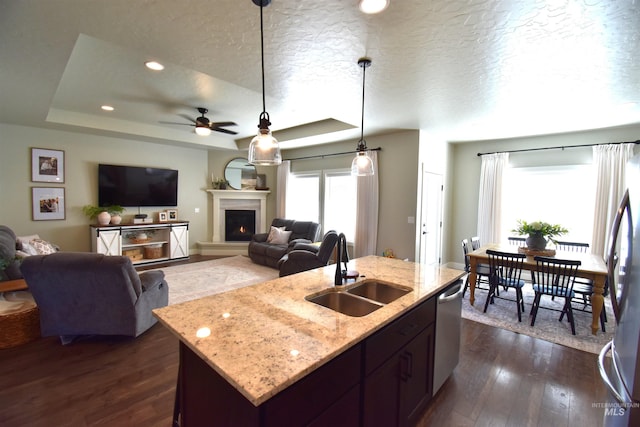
<point x="386" y="380"/>
<point x="399" y="388"/>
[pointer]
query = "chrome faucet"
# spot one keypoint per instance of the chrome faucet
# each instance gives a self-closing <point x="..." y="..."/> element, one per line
<point x="341" y="256"/>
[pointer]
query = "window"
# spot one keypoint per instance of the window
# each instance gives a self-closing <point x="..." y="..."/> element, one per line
<point x="303" y="197"/>
<point x="331" y="201"/>
<point x="562" y="195"/>
<point x="340" y="190"/>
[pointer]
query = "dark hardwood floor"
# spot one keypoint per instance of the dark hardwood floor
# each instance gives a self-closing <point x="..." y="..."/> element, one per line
<point x="503" y="379"/>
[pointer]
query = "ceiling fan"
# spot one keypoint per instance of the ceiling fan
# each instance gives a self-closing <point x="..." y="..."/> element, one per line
<point x="204" y="126"/>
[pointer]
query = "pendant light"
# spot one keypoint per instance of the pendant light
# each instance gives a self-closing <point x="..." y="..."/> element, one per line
<point x="373" y="6"/>
<point x="264" y="149"/>
<point x="362" y="165"/>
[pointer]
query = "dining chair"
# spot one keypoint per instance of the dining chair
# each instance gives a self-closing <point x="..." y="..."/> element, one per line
<point x="517" y="241"/>
<point x="572" y="247"/>
<point x="482" y="270"/>
<point x="505" y="269"/>
<point x="583" y="289"/>
<point x="475" y="243"/>
<point x="554" y="277"/>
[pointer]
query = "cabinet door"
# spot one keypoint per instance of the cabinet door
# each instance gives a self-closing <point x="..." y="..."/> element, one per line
<point x="108" y="242"/>
<point x="382" y="394"/>
<point x="179" y="242"/>
<point x="416" y="374"/>
<point x="397" y="392"/>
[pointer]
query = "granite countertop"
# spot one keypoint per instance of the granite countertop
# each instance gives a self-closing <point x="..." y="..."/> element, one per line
<point x="265" y="337"/>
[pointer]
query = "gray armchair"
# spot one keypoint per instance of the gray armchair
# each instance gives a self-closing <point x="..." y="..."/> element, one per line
<point x="305" y="257"/>
<point x="82" y="293"/>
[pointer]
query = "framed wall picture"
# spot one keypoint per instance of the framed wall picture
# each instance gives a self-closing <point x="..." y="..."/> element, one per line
<point x="172" y="214"/>
<point x="47" y="165"/>
<point x="47" y="203"/>
<point x="162" y="217"/>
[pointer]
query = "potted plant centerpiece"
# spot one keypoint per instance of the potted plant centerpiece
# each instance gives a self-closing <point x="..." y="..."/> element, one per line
<point x="104" y="214"/>
<point x="538" y="232"/>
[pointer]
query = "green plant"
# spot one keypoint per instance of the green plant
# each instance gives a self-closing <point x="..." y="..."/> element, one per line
<point x="93" y="211"/>
<point x="220" y="183"/>
<point x="541" y="228"/>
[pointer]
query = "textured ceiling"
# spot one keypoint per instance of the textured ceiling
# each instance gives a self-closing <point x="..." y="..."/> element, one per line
<point x="461" y="69"/>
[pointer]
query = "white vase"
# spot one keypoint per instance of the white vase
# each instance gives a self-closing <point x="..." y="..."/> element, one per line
<point x="116" y="219"/>
<point x="104" y="218"/>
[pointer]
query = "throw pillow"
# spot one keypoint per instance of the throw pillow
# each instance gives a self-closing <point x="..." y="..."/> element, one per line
<point x="278" y="236"/>
<point x="273" y="233"/>
<point x="42" y="246"/>
<point x="29" y="249"/>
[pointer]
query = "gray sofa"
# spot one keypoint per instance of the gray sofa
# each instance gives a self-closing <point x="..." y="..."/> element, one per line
<point x="81" y="293"/>
<point x="265" y="253"/>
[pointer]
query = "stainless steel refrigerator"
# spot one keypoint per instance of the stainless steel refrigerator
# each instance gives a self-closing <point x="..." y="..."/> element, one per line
<point x="621" y="372"/>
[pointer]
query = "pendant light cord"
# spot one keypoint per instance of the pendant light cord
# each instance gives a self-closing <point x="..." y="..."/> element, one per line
<point x="264" y="108"/>
<point x="364" y="70"/>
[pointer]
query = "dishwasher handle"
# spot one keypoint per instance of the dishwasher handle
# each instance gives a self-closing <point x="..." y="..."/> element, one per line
<point x="452" y="294"/>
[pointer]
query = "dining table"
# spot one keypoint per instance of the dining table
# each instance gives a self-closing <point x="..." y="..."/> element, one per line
<point x="591" y="267"/>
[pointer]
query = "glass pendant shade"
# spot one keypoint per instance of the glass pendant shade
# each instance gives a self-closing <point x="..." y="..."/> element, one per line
<point x="264" y="149"/>
<point x="203" y="130"/>
<point x="362" y="165"/>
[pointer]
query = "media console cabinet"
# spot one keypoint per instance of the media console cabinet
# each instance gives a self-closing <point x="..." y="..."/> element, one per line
<point x="143" y="243"/>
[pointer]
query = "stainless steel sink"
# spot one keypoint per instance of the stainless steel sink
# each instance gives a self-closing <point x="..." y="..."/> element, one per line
<point x="345" y="303"/>
<point x="377" y="291"/>
<point x="361" y="299"/>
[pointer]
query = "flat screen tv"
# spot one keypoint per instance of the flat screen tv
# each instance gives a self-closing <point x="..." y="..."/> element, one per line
<point x="137" y="186"/>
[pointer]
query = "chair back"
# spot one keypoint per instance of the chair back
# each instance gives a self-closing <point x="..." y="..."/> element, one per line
<point x="555" y="276"/>
<point x="572" y="247"/>
<point x="505" y="268"/>
<point x="465" y="252"/>
<point x="475" y="243"/>
<point x="517" y="241"/>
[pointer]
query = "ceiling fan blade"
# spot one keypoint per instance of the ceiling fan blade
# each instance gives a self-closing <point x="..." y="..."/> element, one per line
<point x="216" y="124"/>
<point x="175" y="123"/>
<point x="191" y="119"/>
<point x="230" y="132"/>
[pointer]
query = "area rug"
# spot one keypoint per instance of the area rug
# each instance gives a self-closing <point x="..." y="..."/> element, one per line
<point x="503" y="314"/>
<point x="196" y="280"/>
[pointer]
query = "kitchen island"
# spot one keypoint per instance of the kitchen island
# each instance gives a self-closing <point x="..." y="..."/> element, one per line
<point x="264" y="355"/>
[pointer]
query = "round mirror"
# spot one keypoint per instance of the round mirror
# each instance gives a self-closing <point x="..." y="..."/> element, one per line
<point x="240" y="174"/>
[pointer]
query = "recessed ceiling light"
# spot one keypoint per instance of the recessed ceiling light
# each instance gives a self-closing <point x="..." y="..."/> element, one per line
<point x="373" y="6"/>
<point x="153" y="65"/>
<point x="107" y="108"/>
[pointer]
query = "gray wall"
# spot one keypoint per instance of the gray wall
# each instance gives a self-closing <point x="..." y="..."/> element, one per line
<point x="83" y="152"/>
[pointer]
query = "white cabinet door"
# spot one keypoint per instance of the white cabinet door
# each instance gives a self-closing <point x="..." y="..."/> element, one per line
<point x="108" y="242"/>
<point x="179" y="241"/>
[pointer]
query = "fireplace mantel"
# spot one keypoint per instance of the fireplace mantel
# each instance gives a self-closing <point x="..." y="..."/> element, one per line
<point x="234" y="199"/>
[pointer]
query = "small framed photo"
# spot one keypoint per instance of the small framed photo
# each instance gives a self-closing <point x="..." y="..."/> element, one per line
<point x="172" y="214"/>
<point x="162" y="217"/>
<point x="48" y="203"/>
<point x="47" y="165"/>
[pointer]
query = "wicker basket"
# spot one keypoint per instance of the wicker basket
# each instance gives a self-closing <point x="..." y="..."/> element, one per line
<point x="20" y="327"/>
<point x="153" y="251"/>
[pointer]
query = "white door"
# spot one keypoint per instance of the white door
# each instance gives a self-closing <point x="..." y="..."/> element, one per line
<point x="431" y="219"/>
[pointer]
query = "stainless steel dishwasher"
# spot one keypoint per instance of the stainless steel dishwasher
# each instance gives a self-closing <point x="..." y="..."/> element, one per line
<point x="447" y="347"/>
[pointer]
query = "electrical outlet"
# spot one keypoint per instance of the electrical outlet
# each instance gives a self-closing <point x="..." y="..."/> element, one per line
<point x="197" y="210"/>
<point x="411" y="220"/>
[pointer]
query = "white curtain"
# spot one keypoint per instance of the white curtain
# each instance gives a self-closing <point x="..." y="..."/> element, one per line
<point x="490" y="197"/>
<point x="281" y="189"/>
<point x="610" y="161"/>
<point x="367" y="212"/>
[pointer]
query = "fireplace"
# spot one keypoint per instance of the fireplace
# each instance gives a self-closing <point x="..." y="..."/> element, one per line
<point x="239" y="225"/>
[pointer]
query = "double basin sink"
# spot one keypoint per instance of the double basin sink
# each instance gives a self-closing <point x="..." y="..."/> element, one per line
<point x="359" y="299"/>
